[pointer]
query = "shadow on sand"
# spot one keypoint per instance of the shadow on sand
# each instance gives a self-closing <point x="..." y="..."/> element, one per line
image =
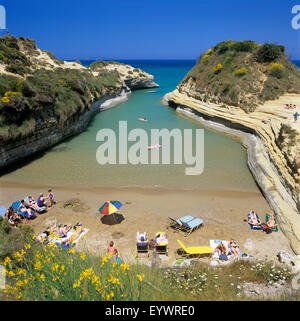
<point x="112" y="219"/>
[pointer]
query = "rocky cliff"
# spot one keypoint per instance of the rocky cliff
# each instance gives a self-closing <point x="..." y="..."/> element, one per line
<point x="45" y="100"/>
<point x="267" y="129"/>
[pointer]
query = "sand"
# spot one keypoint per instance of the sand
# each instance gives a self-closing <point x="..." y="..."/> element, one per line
<point x="147" y="210"/>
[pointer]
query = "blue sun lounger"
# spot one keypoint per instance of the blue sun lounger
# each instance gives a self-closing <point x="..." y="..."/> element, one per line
<point x="178" y="224"/>
<point x="41" y="210"/>
<point x="16" y="205"/>
<point x="192" y="225"/>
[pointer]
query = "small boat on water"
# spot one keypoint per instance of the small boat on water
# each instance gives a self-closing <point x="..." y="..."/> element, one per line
<point x="143" y="119"/>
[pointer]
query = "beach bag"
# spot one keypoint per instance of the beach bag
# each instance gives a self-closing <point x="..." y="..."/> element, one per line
<point x="267" y="229"/>
<point x="223" y="257"/>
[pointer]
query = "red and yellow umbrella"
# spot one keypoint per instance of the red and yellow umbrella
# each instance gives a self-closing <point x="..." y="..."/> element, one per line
<point x="110" y="207"/>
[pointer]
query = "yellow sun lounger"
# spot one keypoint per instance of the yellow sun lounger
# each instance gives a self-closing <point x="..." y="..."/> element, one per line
<point x="194" y="250"/>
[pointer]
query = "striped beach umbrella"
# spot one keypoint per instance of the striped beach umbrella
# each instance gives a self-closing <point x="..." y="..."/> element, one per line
<point x="110" y="207"/>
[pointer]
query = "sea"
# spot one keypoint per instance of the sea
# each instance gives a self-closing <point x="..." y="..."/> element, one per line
<point x="73" y="161"/>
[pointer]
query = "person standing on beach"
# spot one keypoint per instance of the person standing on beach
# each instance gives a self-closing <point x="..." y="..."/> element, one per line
<point x="51" y="197"/>
<point x="296" y="115"/>
<point x="112" y="250"/>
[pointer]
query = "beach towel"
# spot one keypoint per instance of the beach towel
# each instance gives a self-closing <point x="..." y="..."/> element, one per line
<point x="254" y="227"/>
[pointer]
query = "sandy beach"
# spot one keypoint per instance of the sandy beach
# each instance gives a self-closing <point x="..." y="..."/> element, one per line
<point x="147" y="210"/>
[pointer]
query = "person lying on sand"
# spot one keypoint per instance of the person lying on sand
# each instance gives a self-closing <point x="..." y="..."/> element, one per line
<point x="271" y="222"/>
<point x="112" y="250"/>
<point x="79" y="229"/>
<point x="220" y="249"/>
<point x="43" y="237"/>
<point x="62" y="231"/>
<point x="234" y="247"/>
<point x="253" y="219"/>
<point x="33" y="204"/>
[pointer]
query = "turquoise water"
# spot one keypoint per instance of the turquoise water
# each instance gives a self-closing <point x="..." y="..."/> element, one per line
<point x="73" y="162"/>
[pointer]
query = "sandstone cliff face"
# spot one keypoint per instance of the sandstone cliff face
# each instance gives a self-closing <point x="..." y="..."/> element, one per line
<point x="273" y="142"/>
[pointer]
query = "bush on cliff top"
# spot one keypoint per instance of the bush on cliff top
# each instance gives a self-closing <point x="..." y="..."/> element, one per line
<point x="252" y="84"/>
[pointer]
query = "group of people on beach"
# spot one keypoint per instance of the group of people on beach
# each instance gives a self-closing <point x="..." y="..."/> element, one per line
<point x="254" y="221"/>
<point x="291" y="106"/>
<point x="29" y="208"/>
<point x="60" y="234"/>
<point x="232" y="249"/>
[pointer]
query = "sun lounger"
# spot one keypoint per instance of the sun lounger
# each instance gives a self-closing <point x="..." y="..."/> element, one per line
<point x="178" y="224"/>
<point x="3" y="210"/>
<point x="40" y="210"/>
<point x="16" y="205"/>
<point x="161" y="243"/>
<point x="193" y="251"/>
<point x="142" y="243"/>
<point x="192" y="225"/>
<point x="253" y="227"/>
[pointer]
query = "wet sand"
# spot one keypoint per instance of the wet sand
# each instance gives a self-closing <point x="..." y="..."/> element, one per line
<point x="147" y="210"/>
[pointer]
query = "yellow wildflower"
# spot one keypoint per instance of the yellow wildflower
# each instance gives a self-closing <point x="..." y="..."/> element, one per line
<point x="82" y="256"/>
<point x="71" y="251"/>
<point x="6" y="261"/>
<point x="140" y="277"/>
<point x="42" y="277"/>
<point x="27" y="246"/>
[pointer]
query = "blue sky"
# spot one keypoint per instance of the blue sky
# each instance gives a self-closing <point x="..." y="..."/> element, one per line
<point x="153" y="29"/>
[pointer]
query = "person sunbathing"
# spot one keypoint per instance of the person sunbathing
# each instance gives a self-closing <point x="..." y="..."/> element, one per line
<point x="253" y="219"/>
<point x="72" y="238"/>
<point x="60" y="230"/>
<point x="220" y="249"/>
<point x="33" y="204"/>
<point x="271" y="222"/>
<point x="23" y="209"/>
<point x="43" y="237"/>
<point x="112" y="250"/>
<point x="234" y="247"/>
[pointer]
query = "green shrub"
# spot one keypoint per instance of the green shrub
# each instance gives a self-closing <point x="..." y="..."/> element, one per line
<point x="243" y="46"/>
<point x="269" y="52"/>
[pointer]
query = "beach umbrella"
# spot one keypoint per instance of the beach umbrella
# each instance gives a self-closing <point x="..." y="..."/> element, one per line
<point x="2" y="211"/>
<point x="110" y="207"/>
